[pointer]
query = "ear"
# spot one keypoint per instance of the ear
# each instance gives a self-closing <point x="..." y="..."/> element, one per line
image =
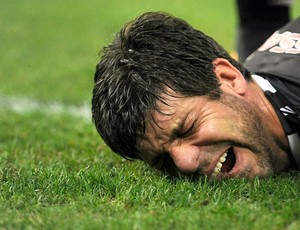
<point x="231" y="79"/>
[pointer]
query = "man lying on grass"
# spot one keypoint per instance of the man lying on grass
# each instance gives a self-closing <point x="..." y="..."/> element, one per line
<point x="169" y="95"/>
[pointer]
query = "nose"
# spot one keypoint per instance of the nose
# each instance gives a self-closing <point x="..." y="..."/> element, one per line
<point x="186" y="158"/>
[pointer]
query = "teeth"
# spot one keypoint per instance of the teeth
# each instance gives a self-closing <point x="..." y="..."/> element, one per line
<point x="219" y="165"/>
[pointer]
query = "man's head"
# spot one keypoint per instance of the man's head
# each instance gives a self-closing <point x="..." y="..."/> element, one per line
<point x="159" y="69"/>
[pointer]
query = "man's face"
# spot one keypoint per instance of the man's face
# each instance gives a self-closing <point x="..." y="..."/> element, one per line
<point x="218" y="138"/>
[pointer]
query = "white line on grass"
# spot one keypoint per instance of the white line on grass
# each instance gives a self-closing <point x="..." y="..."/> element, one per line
<point x="25" y="105"/>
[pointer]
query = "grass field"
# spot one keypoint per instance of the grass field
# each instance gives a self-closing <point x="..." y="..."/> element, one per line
<point x="56" y="173"/>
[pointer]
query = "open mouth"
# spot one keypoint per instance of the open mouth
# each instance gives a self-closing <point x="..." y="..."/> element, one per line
<point x="225" y="163"/>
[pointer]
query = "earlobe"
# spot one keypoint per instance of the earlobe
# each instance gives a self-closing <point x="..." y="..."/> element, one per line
<point x="231" y="79"/>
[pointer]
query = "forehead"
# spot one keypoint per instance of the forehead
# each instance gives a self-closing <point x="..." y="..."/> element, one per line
<point x="166" y="115"/>
<point x="169" y="110"/>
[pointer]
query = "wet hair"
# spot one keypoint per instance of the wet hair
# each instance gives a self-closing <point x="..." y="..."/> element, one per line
<point x="151" y="53"/>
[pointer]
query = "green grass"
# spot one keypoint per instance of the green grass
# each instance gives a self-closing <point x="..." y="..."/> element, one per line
<point x="56" y="173"/>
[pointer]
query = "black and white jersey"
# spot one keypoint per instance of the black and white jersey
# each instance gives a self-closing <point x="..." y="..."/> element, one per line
<point x="276" y="68"/>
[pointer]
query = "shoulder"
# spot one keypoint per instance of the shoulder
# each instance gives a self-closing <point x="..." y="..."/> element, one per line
<point x="279" y="55"/>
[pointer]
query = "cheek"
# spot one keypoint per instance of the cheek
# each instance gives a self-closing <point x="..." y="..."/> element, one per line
<point x="222" y="127"/>
<point x="234" y="119"/>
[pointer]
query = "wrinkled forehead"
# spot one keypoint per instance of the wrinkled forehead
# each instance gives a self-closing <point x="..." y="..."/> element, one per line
<point x="166" y="109"/>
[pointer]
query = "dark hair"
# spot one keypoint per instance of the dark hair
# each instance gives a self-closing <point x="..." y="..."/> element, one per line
<point x="154" y="51"/>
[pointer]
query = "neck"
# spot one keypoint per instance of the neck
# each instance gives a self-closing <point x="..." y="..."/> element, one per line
<point x="256" y="94"/>
<point x="270" y="118"/>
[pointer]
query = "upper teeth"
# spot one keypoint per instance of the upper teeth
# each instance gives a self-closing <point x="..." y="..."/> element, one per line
<point x="219" y="165"/>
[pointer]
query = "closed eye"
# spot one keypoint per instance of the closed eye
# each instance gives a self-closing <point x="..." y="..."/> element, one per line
<point x="158" y="162"/>
<point x="169" y="167"/>
<point x="165" y="163"/>
<point x="186" y="133"/>
<point x="162" y="162"/>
